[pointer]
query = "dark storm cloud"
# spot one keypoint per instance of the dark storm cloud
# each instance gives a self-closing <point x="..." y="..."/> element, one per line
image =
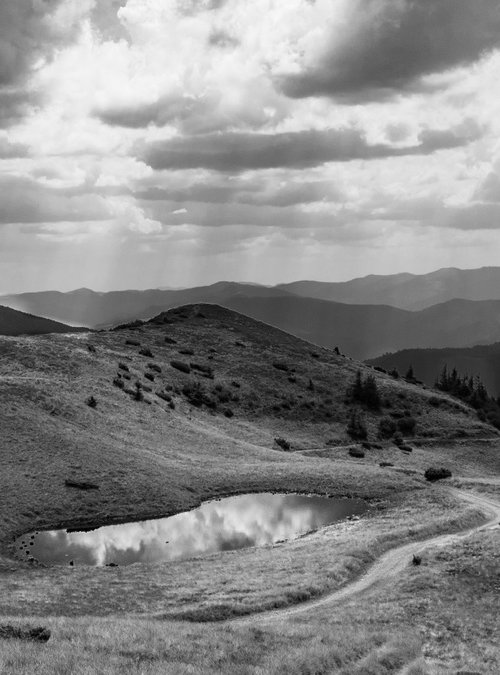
<point x="28" y="35"/>
<point x="388" y="45"/>
<point x="234" y="152"/>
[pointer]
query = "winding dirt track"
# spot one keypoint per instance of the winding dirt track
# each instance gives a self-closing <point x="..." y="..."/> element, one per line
<point x="388" y="566"/>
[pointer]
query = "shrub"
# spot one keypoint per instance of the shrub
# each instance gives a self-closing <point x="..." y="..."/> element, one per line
<point x="228" y="412"/>
<point x="406" y="425"/>
<point x="91" y="349"/>
<point x="356" y="427"/>
<point x="386" y="427"/>
<point x="123" y="366"/>
<point x="149" y="376"/>
<point x="238" y="343"/>
<point x="91" y="402"/>
<point x="147" y="388"/>
<point x="379" y="369"/>
<point x="181" y="365"/>
<point x="137" y="394"/>
<point x="356" y="452"/>
<point x="292" y="379"/>
<point x="279" y="365"/>
<point x="384" y="464"/>
<point x="282" y="443"/>
<point x="146" y="352"/>
<point x="155" y="367"/>
<point x="134" y="343"/>
<point x="170" y="341"/>
<point x="197" y="396"/>
<point x="118" y="382"/>
<point x="171" y="405"/>
<point x="235" y="384"/>
<point x="164" y="396"/>
<point x="315" y="355"/>
<point x="186" y="352"/>
<point x="398" y="440"/>
<point x="394" y="373"/>
<point x="206" y="371"/>
<point x="433" y="474"/>
<point x="126" y="376"/>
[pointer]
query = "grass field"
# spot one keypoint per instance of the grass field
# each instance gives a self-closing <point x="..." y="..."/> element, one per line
<point x="150" y="458"/>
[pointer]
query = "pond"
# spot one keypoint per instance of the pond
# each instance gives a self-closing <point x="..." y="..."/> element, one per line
<point x="222" y="525"/>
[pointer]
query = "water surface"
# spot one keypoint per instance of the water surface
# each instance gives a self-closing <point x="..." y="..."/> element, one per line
<point x="222" y="525"/>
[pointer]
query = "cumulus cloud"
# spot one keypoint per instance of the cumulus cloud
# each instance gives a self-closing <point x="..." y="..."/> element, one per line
<point x="235" y="152"/>
<point x="385" y="47"/>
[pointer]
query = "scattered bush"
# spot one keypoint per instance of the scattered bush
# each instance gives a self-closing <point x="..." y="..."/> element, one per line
<point x="433" y="474"/>
<point x="133" y="343"/>
<point x="171" y="405"/>
<point x="406" y="425"/>
<point x="149" y="376"/>
<point x="123" y="366"/>
<point x="315" y="355"/>
<point x="228" y="413"/>
<point x="279" y="365"/>
<point x="118" y="382"/>
<point x="170" y="341"/>
<point x="147" y="388"/>
<point x="384" y="464"/>
<point x="292" y="379"/>
<point x="356" y="427"/>
<point x="394" y="373"/>
<point x="416" y="560"/>
<point x="238" y="343"/>
<point x="386" y="427"/>
<point x="181" y="365"/>
<point x="126" y="376"/>
<point x="186" y="352"/>
<point x="206" y="371"/>
<point x="398" y="440"/>
<point x="356" y="452"/>
<point x="282" y="443"/>
<point x="155" y="367"/>
<point x="380" y="370"/>
<point x="197" y="396"/>
<point x="235" y="384"/>
<point x="146" y="352"/>
<point x="137" y="394"/>
<point x="91" y="349"/>
<point x="164" y="396"/>
<point x="91" y="402"/>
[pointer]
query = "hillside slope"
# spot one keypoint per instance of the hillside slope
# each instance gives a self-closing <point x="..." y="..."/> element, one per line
<point x="13" y="322"/>
<point x="483" y="360"/>
<point x="187" y="436"/>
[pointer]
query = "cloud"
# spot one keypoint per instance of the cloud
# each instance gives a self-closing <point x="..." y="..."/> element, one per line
<point x="236" y="152"/>
<point x="385" y="47"/>
<point x="30" y="33"/>
<point x="26" y="201"/>
<point x="10" y="150"/>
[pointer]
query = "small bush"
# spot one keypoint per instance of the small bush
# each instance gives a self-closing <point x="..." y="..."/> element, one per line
<point x="123" y="366"/>
<point x="155" y="367"/>
<point x="386" y="427"/>
<point x="406" y="425"/>
<point x="149" y="376"/>
<point x="235" y="384"/>
<point x="356" y="427"/>
<point x="181" y="365"/>
<point x="186" y="352"/>
<point x="379" y="369"/>
<point x="282" y="443"/>
<point x="315" y="355"/>
<point x="398" y="440"/>
<point x="238" y="343"/>
<point x="91" y="349"/>
<point x="292" y="379"/>
<point x="133" y="343"/>
<point x="138" y="395"/>
<point x="146" y="352"/>
<point x="126" y="376"/>
<point x="356" y="452"/>
<point x="434" y="473"/>
<point x="91" y="402"/>
<point x="385" y="464"/>
<point x="206" y="371"/>
<point x="394" y="373"/>
<point x="164" y="396"/>
<point x="118" y="382"/>
<point x="228" y="413"/>
<point x="279" y="365"/>
<point x="170" y="341"/>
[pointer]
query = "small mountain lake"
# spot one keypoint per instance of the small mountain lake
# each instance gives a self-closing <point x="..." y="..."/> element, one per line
<point x="242" y="521"/>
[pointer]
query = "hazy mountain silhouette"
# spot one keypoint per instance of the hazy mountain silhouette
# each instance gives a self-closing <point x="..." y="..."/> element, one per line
<point x="84" y="307"/>
<point x="427" y="364"/>
<point x="13" y="322"/>
<point x="406" y="291"/>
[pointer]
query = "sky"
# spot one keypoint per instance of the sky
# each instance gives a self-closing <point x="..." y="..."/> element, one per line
<point x="153" y="143"/>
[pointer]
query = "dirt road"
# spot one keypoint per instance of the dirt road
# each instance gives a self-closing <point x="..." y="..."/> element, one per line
<point x="389" y="565"/>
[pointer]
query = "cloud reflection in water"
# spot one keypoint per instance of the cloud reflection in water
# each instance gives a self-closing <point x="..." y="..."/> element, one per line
<point x="223" y="525"/>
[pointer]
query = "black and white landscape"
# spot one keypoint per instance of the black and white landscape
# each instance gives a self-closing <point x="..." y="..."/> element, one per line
<point x="249" y="337"/>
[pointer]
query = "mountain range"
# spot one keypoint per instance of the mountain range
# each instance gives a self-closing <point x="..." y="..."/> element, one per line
<point x="13" y="322"/>
<point x="361" y="330"/>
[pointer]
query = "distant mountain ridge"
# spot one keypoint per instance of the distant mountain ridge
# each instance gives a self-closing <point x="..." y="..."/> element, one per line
<point x="406" y="291"/>
<point x="13" y="322"/>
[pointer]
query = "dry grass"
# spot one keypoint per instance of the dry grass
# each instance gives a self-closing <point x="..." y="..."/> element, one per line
<point x="149" y="460"/>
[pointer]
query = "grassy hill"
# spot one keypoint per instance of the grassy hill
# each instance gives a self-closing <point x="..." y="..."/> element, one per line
<point x="13" y="322"/>
<point x="482" y="360"/>
<point x="183" y="437"/>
